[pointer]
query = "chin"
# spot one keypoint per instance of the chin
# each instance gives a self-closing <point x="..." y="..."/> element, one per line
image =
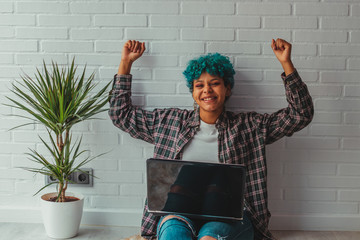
<point x="210" y="109"/>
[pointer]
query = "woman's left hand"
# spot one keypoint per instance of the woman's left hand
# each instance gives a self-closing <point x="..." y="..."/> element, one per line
<point x="282" y="51"/>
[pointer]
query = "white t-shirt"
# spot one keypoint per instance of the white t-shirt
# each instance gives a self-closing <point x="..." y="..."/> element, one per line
<point x="203" y="147"/>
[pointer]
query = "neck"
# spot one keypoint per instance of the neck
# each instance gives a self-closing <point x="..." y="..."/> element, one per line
<point x="209" y="117"/>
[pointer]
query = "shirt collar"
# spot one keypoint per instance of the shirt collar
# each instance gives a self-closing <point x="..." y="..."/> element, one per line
<point x="221" y="122"/>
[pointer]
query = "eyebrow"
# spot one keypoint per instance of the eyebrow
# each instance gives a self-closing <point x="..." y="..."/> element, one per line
<point x="200" y="80"/>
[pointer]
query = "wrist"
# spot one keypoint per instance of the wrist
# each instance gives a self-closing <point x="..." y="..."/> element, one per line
<point x="286" y="62"/>
<point x="288" y="67"/>
<point x="126" y="60"/>
<point x="124" y="67"/>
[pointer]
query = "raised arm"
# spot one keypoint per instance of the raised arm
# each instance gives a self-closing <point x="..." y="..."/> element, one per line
<point x="132" y="50"/>
<point x="300" y="110"/>
<point x="139" y="123"/>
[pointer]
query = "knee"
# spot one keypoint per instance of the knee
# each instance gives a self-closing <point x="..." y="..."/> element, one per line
<point x="171" y="217"/>
<point x="174" y="227"/>
<point x="207" y="238"/>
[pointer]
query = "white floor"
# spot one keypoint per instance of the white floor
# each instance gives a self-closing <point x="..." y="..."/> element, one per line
<point x="32" y="231"/>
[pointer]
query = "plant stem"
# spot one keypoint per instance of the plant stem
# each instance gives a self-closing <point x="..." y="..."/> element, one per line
<point x="66" y="135"/>
<point x="61" y="143"/>
<point x="62" y="193"/>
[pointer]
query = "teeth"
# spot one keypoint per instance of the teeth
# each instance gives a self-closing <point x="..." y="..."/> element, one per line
<point x="207" y="99"/>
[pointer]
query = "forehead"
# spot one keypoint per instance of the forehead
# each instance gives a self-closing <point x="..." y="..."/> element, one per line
<point x="205" y="76"/>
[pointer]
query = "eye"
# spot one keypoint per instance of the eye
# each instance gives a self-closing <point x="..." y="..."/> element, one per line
<point x="215" y="83"/>
<point x="199" y="85"/>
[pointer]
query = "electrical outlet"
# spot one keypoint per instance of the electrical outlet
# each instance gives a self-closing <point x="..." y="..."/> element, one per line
<point x="83" y="178"/>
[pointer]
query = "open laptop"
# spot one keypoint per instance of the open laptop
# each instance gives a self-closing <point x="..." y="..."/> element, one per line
<point x="211" y="191"/>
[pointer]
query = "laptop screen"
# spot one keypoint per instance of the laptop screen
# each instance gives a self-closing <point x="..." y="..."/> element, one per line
<point x="195" y="189"/>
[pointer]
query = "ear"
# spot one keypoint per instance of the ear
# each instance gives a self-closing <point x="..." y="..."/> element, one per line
<point x="228" y="91"/>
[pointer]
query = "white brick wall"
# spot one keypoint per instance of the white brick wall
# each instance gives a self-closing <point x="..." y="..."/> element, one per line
<point x="314" y="176"/>
<point x="41" y="7"/>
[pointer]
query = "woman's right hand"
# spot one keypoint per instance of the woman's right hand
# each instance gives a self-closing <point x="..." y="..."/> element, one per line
<point x="132" y="50"/>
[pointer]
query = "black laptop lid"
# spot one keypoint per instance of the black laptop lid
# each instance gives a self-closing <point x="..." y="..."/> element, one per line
<point x="195" y="189"/>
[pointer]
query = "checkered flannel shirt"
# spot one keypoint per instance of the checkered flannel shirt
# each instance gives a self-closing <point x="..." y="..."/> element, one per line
<point x="242" y="139"/>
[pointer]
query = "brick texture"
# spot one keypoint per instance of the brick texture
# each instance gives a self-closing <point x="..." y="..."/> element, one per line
<point x="314" y="174"/>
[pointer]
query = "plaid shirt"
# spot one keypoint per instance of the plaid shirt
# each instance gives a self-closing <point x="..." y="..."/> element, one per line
<point x="242" y="139"/>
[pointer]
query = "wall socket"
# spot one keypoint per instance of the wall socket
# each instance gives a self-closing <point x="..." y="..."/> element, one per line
<point x="78" y="178"/>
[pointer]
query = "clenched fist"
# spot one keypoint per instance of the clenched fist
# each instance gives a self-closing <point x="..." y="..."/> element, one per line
<point x="132" y="50"/>
<point x="282" y="51"/>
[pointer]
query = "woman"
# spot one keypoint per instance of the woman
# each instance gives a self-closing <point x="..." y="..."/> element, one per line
<point x="210" y="131"/>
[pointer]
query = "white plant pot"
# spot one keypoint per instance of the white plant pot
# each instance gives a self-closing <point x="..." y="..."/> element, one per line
<point x="62" y="219"/>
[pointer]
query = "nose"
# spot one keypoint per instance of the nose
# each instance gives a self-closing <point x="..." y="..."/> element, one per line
<point x="207" y="88"/>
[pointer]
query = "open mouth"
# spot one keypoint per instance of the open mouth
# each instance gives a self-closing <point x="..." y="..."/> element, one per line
<point x="209" y="99"/>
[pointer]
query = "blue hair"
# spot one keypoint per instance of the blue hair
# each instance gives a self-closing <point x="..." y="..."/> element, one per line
<point x="213" y="63"/>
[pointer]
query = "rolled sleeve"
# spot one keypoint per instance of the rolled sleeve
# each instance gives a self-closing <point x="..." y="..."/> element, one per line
<point x="122" y="82"/>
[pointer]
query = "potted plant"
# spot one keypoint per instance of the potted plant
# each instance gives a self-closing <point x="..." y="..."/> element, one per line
<point x="59" y="99"/>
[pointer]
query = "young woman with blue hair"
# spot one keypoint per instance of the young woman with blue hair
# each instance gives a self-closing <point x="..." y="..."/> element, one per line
<point x="212" y="133"/>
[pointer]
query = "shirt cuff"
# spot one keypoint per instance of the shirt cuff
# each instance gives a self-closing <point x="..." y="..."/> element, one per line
<point x="122" y="82"/>
<point x="291" y="78"/>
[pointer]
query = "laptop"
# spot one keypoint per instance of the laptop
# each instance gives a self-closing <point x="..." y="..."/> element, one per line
<point x="210" y="191"/>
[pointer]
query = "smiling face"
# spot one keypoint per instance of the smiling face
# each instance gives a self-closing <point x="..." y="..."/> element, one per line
<point x="210" y="93"/>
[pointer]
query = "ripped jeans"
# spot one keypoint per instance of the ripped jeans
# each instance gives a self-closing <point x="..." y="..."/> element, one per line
<point x="186" y="229"/>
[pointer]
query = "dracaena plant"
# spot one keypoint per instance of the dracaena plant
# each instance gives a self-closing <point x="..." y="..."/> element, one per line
<point x="58" y="99"/>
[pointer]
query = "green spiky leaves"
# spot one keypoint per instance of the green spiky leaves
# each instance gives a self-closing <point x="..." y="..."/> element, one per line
<point x="58" y="99"/>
